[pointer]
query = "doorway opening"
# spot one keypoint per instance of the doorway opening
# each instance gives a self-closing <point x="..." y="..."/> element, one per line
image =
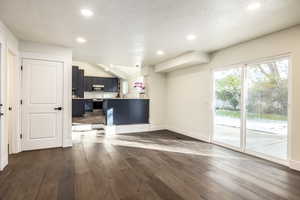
<point x="88" y="102"/>
<point x="251" y="108"/>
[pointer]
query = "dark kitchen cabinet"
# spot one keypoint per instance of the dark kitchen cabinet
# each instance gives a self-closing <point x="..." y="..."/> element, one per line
<point x="88" y="105"/>
<point x="78" y="107"/>
<point x="126" y="111"/>
<point x="77" y="81"/>
<point x="80" y="84"/>
<point x="75" y="71"/>
<point x="88" y="83"/>
<point x="110" y="84"/>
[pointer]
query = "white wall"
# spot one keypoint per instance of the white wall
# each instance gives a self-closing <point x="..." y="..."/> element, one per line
<point x="8" y="43"/>
<point x="156" y="91"/>
<point x="188" y="102"/>
<point x="190" y="92"/>
<point x="57" y="53"/>
<point x="92" y="70"/>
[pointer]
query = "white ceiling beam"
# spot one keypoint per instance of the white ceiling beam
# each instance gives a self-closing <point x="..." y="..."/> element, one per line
<point x="114" y="71"/>
<point x="184" y="60"/>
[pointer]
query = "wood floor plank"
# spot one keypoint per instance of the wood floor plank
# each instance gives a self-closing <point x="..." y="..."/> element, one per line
<point x="148" y="166"/>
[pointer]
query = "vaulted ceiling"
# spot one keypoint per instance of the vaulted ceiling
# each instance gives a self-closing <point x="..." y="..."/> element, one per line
<point x="130" y="32"/>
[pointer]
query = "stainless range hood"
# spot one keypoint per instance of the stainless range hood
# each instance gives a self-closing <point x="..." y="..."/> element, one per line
<point x="98" y="87"/>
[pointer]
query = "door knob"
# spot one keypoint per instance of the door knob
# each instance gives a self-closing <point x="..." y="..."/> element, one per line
<point x="58" y="108"/>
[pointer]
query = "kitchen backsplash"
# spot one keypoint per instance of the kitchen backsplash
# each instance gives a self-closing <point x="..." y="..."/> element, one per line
<point x="95" y="95"/>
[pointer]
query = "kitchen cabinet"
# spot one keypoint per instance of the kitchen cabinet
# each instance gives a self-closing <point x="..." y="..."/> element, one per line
<point x="78" y="107"/>
<point x="75" y="70"/>
<point x="126" y="111"/>
<point x="110" y="84"/>
<point x="88" y="105"/>
<point x="77" y="82"/>
<point x="88" y="83"/>
<point x="80" y="84"/>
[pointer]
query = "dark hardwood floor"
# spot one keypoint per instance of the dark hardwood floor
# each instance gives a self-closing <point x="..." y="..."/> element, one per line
<point x="95" y="117"/>
<point x="157" y="165"/>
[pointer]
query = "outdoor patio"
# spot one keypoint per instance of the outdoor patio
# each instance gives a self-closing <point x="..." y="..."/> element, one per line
<point x="264" y="136"/>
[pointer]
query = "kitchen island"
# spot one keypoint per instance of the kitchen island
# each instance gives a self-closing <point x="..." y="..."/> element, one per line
<point x="126" y="111"/>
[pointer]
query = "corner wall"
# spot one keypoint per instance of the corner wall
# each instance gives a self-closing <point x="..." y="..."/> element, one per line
<point x="156" y="90"/>
<point x="189" y="91"/>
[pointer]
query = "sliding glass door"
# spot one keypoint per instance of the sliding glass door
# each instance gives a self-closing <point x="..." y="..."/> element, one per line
<point x="251" y="108"/>
<point x="267" y="108"/>
<point x="227" y="107"/>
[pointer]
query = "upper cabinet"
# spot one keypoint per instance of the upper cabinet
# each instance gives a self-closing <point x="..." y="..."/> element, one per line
<point x="75" y="70"/>
<point x="110" y="84"/>
<point x="78" y="81"/>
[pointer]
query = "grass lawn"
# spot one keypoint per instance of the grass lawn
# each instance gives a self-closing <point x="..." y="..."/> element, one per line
<point x="236" y="114"/>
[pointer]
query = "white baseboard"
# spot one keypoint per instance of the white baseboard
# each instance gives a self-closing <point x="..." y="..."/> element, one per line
<point x="192" y="134"/>
<point x="157" y="127"/>
<point x="295" y="165"/>
<point x="67" y="143"/>
<point x="3" y="164"/>
<point x="134" y="128"/>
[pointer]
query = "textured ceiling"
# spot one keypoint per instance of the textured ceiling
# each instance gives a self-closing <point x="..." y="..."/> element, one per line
<point x="128" y="32"/>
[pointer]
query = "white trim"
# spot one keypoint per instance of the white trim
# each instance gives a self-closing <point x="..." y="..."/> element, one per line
<point x="3" y="60"/>
<point x="293" y="164"/>
<point x="266" y="157"/>
<point x="121" y="129"/>
<point x="133" y="128"/>
<point x="290" y="107"/>
<point x="157" y="127"/>
<point x="228" y="146"/>
<point x="67" y="91"/>
<point x="15" y="137"/>
<point x="191" y="134"/>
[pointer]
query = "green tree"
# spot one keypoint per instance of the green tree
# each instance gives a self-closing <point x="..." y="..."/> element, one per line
<point x="228" y="90"/>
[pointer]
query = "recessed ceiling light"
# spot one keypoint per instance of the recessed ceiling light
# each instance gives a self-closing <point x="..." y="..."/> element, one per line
<point x="86" y="12"/>
<point x="191" y="37"/>
<point x="81" y="40"/>
<point x="254" y="6"/>
<point x="160" y="52"/>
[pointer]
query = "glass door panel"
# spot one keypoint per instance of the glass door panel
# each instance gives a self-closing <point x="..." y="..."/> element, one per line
<point x="227" y="118"/>
<point x="267" y="108"/>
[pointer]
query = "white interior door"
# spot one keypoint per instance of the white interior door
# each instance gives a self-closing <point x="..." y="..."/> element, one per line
<point x="42" y="104"/>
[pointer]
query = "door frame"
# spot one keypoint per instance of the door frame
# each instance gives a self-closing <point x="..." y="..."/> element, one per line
<point x="242" y="148"/>
<point x="3" y="142"/>
<point x="15" y="139"/>
<point x="67" y="92"/>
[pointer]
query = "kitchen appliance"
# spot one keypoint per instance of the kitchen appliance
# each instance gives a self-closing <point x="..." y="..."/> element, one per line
<point x="97" y="104"/>
<point x="97" y="87"/>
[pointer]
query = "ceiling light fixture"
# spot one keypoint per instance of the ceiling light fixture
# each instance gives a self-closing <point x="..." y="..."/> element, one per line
<point x="191" y="37"/>
<point x="160" y="52"/>
<point x="81" y="40"/>
<point x="254" y="6"/>
<point x="86" y="12"/>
